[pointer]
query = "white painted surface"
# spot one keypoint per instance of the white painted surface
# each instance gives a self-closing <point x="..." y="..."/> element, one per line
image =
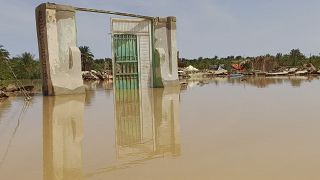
<point x="62" y="51"/>
<point x="165" y="43"/>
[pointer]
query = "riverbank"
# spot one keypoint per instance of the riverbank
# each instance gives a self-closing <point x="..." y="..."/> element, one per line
<point x="307" y="70"/>
<point x="294" y="63"/>
<point x="34" y="87"/>
<point x="227" y="124"/>
<point x="254" y="81"/>
<point x="9" y="88"/>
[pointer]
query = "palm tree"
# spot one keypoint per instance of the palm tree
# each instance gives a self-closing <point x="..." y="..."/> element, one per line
<point x="28" y="63"/>
<point x="4" y="71"/>
<point x="295" y="56"/>
<point x="26" y="66"/>
<point x="4" y="54"/>
<point x="86" y="58"/>
<point x="26" y="58"/>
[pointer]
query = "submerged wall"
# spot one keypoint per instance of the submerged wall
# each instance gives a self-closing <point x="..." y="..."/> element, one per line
<point x="157" y="49"/>
<point x="166" y="59"/>
<point x="60" y="57"/>
<point x="142" y="29"/>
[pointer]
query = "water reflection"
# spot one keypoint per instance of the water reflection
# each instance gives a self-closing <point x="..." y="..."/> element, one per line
<point x="146" y="127"/>
<point x="62" y="137"/>
<point x="259" y="82"/>
<point x="4" y="106"/>
<point x="262" y="82"/>
<point x="92" y="86"/>
<point x="270" y="129"/>
<point x="147" y="123"/>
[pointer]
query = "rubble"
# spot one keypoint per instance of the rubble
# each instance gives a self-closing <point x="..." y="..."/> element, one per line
<point x="310" y="67"/>
<point x="260" y="67"/>
<point x="27" y="88"/>
<point x="3" y="95"/>
<point x="292" y="70"/>
<point x="221" y="71"/>
<point x="191" y="69"/>
<point x="96" y="75"/>
<point x="88" y="75"/>
<point x="11" y="88"/>
<point x="303" y="72"/>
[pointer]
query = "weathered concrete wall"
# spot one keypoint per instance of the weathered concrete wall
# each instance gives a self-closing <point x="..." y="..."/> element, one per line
<point x="161" y="68"/>
<point x="165" y="44"/>
<point x="60" y="58"/>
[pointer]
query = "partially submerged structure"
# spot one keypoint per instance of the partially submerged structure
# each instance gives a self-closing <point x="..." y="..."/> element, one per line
<point x="144" y="50"/>
<point x="146" y="127"/>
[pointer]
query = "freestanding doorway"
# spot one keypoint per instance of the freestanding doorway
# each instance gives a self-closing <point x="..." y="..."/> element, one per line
<point x="144" y="50"/>
<point x="132" y="52"/>
<point x="126" y="74"/>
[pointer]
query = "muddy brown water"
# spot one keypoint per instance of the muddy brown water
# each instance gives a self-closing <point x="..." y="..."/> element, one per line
<point x="226" y="129"/>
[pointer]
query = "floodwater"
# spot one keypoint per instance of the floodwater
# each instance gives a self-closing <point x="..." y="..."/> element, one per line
<point x="226" y="129"/>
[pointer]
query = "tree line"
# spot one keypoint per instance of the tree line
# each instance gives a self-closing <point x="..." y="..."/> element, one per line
<point x="89" y="63"/>
<point x="293" y="59"/>
<point x="26" y="66"/>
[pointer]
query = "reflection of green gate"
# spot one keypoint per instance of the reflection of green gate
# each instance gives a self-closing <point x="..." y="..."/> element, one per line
<point x="126" y="71"/>
<point x="128" y="121"/>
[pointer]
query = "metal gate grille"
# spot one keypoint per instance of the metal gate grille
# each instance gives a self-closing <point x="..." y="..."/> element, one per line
<point x="125" y="61"/>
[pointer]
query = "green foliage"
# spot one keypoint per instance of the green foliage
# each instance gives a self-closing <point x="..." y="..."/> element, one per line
<point x="207" y="63"/>
<point x="4" y="71"/>
<point x="294" y="59"/>
<point x="102" y="64"/>
<point x="98" y="65"/>
<point x="108" y="64"/>
<point x="4" y="54"/>
<point x="86" y="58"/>
<point x="24" y="66"/>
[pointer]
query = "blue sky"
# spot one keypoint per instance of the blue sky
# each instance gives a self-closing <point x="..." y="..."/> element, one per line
<point x="205" y="27"/>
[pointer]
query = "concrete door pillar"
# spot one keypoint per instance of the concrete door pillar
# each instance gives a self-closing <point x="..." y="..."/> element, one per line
<point x="166" y="58"/>
<point x="59" y="56"/>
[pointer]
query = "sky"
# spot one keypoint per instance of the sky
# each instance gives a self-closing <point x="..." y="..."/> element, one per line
<point x="205" y="28"/>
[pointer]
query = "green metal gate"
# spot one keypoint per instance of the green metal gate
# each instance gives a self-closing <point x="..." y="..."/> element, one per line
<point x="126" y="71"/>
